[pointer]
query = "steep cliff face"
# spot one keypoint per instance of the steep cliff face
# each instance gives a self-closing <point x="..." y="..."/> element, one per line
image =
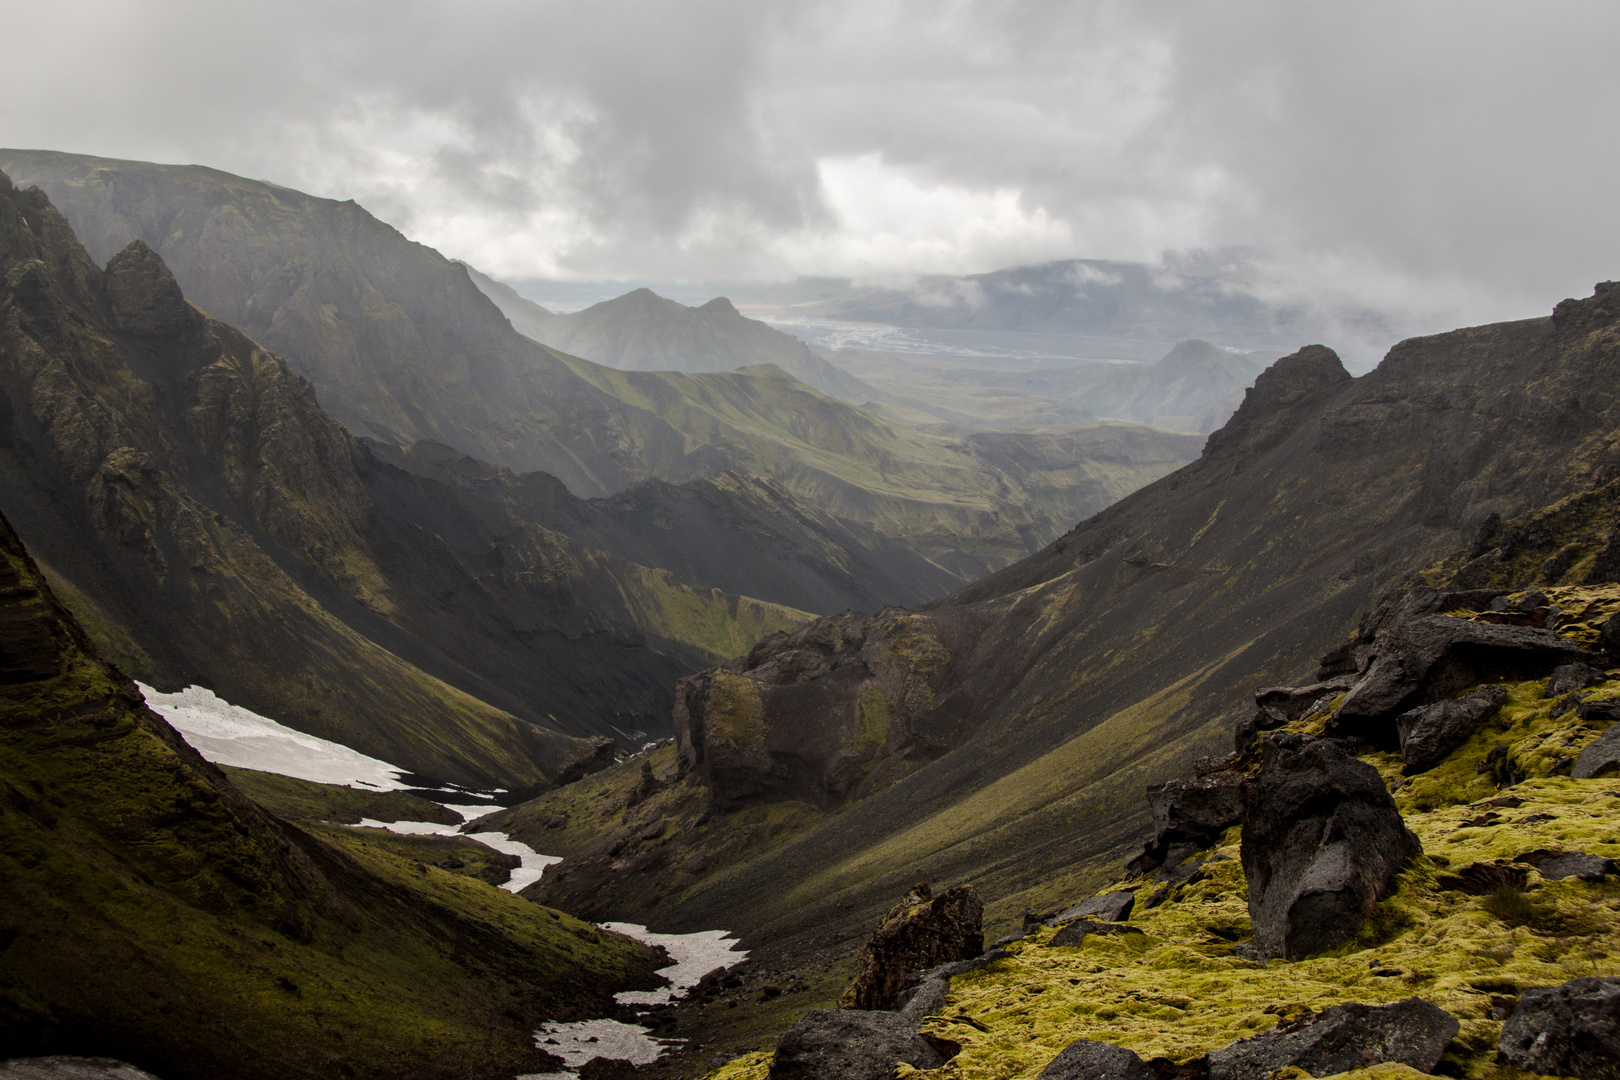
<point x="1116" y="655"/>
<point x="216" y="526"/>
<point x="155" y="915"/>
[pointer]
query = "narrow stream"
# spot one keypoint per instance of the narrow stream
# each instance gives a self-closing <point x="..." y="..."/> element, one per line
<point x="227" y="734"/>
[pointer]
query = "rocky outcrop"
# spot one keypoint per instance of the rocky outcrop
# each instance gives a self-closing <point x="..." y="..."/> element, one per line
<point x="1345" y="1037"/>
<point x="1322" y="843"/>
<point x="1189" y="815"/>
<point x="921" y="932"/>
<point x="1110" y="907"/>
<point x="1601" y="757"/>
<point x="1430" y="732"/>
<point x="1424" y="658"/>
<point x="853" y="1045"/>
<point x="1275" y="706"/>
<point x="1075" y="934"/>
<point x="70" y="1068"/>
<point x="1088" y="1060"/>
<point x="1567" y="1030"/>
<point x="841" y="708"/>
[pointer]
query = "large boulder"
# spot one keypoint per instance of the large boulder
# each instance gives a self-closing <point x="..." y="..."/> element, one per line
<point x="1601" y="756"/>
<point x="1430" y="732"/>
<point x="1411" y="1032"/>
<point x="1427" y="658"/>
<point x="1088" y="1060"/>
<point x="838" y="709"/>
<point x="852" y="1045"/>
<point x="1567" y="1030"/>
<point x="1189" y="815"/>
<point x="922" y="931"/>
<point x="1275" y="706"/>
<point x="1322" y="843"/>
<point x="70" y="1068"/>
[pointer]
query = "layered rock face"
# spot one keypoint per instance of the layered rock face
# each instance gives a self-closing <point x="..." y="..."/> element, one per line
<point x="921" y="932"/>
<point x="1322" y="843"/>
<point x="836" y="710"/>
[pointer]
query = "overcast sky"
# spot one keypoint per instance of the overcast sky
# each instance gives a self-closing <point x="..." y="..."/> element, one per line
<point x="1457" y="155"/>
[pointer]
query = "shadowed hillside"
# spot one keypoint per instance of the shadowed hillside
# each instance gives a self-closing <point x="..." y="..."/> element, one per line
<point x="155" y="915"/>
<point x="213" y="525"/>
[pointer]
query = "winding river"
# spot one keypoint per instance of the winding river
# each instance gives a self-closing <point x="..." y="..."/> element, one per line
<point x="228" y="734"/>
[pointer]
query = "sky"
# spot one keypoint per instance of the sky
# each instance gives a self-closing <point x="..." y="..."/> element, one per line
<point x="1450" y="156"/>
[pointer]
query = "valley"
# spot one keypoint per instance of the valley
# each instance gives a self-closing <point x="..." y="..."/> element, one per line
<point x="526" y="691"/>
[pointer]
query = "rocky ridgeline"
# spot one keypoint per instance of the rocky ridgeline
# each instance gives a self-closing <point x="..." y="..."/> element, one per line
<point x="1322" y="861"/>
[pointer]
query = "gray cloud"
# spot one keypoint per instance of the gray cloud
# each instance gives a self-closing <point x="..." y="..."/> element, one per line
<point x="1454" y="156"/>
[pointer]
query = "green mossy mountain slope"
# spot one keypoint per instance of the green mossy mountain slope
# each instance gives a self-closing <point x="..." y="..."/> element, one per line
<point x="215" y="526"/>
<point x="1129" y="648"/>
<point x="155" y="915"/>
<point x="401" y="346"/>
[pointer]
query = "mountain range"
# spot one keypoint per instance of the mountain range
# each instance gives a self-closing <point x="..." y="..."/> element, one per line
<point x="642" y="331"/>
<point x="401" y="346"/>
<point x="1003" y="736"/>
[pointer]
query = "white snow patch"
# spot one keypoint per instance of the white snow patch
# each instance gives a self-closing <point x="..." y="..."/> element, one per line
<point x="228" y="734"/>
<point x="534" y="864"/>
<point x="695" y="955"/>
<point x="583" y="1040"/>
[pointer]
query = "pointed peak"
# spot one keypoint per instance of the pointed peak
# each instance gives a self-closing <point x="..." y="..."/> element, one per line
<point x="145" y="297"/>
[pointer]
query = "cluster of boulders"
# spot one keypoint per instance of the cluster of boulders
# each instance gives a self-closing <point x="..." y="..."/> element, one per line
<point x="901" y="976"/>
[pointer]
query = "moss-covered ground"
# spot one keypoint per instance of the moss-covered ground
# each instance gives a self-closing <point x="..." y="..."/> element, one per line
<point x="1179" y="990"/>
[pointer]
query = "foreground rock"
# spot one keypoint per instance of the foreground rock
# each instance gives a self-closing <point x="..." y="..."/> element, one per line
<point x="1567" y="1030"/>
<point x="70" y="1068"/>
<point x="920" y="932"/>
<point x="1411" y="1032"/>
<point x="1087" y="1060"/>
<point x="1600" y="758"/>
<point x="1430" y="732"/>
<point x="1422" y="659"/>
<point x="1322" y="843"/>
<point x="1188" y="816"/>
<point x="851" y="1044"/>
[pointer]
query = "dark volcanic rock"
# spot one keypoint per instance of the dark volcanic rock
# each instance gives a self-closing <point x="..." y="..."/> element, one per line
<point x="1567" y="678"/>
<point x="1088" y="1060"/>
<point x="1600" y="758"/>
<point x="1278" y="705"/>
<point x="1322" y="843"/>
<point x="1555" y="867"/>
<point x="1189" y="815"/>
<point x="851" y="1045"/>
<point x="1411" y="1032"/>
<point x="1111" y="907"/>
<point x="920" y="932"/>
<point x="1567" y="1030"/>
<point x="1430" y="732"/>
<point x="1429" y="658"/>
<point x="1071" y="936"/>
<point x="844" y="706"/>
<point x="70" y="1068"/>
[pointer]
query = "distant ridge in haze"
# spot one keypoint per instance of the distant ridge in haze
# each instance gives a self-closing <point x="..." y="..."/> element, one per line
<point x="642" y="331"/>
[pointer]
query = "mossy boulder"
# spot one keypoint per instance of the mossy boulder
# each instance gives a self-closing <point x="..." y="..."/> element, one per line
<point x="921" y="932"/>
<point x="1322" y="844"/>
<point x="1411" y="1032"/>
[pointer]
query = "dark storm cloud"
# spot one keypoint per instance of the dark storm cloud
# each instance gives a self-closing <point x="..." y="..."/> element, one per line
<point x="1455" y="154"/>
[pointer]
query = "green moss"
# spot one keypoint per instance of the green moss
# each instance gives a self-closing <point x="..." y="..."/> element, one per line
<point x="736" y="714"/>
<point x="1178" y="990"/>
<point x="302" y="800"/>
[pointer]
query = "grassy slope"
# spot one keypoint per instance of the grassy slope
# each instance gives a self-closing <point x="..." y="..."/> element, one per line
<point x="1178" y="991"/>
<point x="154" y="914"/>
<point x="295" y="800"/>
